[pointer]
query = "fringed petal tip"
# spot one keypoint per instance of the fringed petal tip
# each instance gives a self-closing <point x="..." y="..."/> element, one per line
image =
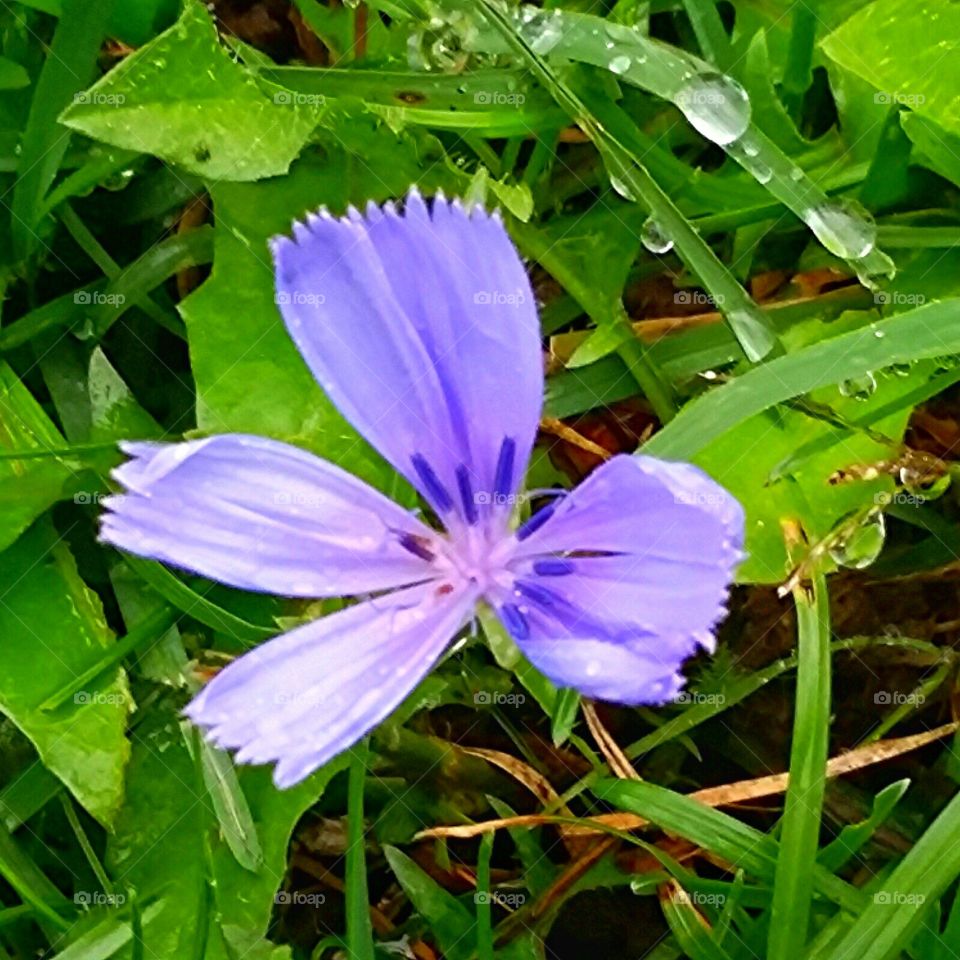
<point x="411" y="318"/>
<point x="414" y="205"/>
<point x="306" y="696"/>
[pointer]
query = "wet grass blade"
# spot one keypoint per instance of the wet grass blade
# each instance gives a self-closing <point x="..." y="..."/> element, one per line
<point x="800" y="826"/>
<point x="748" y="323"/>
<point x="929" y="331"/>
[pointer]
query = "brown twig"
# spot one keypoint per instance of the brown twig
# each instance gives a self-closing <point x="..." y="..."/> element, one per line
<point x="722" y="796"/>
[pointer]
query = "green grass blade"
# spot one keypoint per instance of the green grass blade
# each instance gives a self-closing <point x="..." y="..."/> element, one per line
<point x="185" y="598"/>
<point x="741" y="845"/>
<point x="747" y="322"/>
<point x="483" y="899"/>
<point x="929" y="331"/>
<point x="359" y="927"/>
<point x="68" y="66"/>
<point x="800" y="829"/>
<point x="896" y="912"/>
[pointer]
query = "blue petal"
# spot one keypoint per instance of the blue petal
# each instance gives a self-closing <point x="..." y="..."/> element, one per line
<point x="648" y="551"/>
<point x="422" y="328"/>
<point x="262" y="515"/>
<point x="302" y="698"/>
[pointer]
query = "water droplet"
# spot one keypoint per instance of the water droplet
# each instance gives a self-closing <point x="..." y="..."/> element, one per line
<point x="540" y="29"/>
<point x="921" y="484"/>
<point x="844" y="228"/>
<point x="716" y="106"/>
<point x="796" y="174"/>
<point x="761" y="171"/>
<point x="622" y="187"/>
<point x="862" y="545"/>
<point x="653" y="238"/>
<point x="620" y="64"/>
<point x="859" y="388"/>
<point x="900" y="369"/>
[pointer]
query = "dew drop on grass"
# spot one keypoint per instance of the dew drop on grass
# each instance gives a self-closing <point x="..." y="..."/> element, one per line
<point x="919" y="484"/>
<point x="862" y="545"/>
<point x="859" y="388"/>
<point x="844" y="228"/>
<point x="716" y="106"/>
<point x="653" y="237"/>
<point x="620" y="64"/>
<point x="540" y="29"/>
<point x="622" y="187"/>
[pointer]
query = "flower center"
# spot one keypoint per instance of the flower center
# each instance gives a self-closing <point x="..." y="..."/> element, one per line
<point x="475" y="556"/>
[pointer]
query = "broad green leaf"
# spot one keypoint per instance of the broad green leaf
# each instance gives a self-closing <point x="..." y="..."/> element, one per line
<point x="183" y="98"/>
<point x="114" y="411"/>
<point x="165" y="826"/>
<point x="450" y="921"/>
<point x="53" y="629"/>
<point x="908" y="52"/>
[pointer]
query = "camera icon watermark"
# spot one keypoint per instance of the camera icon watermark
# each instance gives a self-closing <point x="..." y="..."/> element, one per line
<point x="483" y="498"/>
<point x="901" y="99"/>
<point x="87" y="697"/>
<point x="497" y="98"/>
<point x="695" y="697"/>
<point x="896" y="698"/>
<point x="299" y="898"/>
<point x="97" y="898"/>
<point x="697" y="898"/>
<point x="294" y="98"/>
<point x="697" y="298"/>
<point x="896" y="898"/>
<point x="298" y="298"/>
<point x="699" y="499"/>
<point x="493" y="698"/>
<point x="499" y="298"/>
<point x="97" y="298"/>
<point x="500" y="898"/>
<point x="97" y="99"/>
<point x="299" y="499"/>
<point x="884" y="298"/>
<point x="89" y="497"/>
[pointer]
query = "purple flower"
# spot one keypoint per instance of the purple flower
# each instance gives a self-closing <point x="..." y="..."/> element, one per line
<point x="422" y="329"/>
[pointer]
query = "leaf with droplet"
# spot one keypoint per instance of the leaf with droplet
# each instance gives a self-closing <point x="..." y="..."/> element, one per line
<point x="182" y="97"/>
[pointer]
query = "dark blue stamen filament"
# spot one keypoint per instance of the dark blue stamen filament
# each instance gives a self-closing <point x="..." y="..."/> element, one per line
<point x="466" y="495"/>
<point x="539" y="595"/>
<point x="536" y="521"/>
<point x="553" y="566"/>
<point x="417" y="546"/>
<point x="503" y="478"/>
<point x="434" y="489"/>
<point x="515" y="621"/>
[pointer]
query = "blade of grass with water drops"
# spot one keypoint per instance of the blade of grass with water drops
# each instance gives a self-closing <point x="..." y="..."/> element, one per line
<point x="632" y="180"/>
<point x="719" y="109"/>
